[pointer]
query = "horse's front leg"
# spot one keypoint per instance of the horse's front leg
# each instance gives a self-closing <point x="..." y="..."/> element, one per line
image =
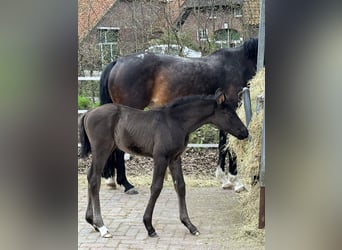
<point x="179" y="184"/>
<point x="232" y="182"/>
<point x="222" y="161"/>
<point x="232" y="175"/>
<point x="160" y="165"/>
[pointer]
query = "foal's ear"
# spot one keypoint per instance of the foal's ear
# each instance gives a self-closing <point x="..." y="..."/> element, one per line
<point x="220" y="96"/>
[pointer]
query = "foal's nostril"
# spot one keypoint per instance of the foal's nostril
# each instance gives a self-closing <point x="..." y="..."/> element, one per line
<point x="243" y="134"/>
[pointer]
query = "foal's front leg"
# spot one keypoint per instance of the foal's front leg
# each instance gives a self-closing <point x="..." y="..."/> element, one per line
<point x="160" y="165"/>
<point x="179" y="184"/>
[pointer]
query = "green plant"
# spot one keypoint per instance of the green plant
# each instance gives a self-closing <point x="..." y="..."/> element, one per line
<point x="205" y="134"/>
<point x="84" y="102"/>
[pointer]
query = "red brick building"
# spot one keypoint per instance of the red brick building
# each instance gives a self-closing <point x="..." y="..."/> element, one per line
<point x="111" y="28"/>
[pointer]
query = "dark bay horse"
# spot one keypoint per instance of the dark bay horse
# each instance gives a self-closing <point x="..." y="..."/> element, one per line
<point x="160" y="133"/>
<point x="142" y="80"/>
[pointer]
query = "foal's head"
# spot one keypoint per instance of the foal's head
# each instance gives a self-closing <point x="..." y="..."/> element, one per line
<point x="226" y="119"/>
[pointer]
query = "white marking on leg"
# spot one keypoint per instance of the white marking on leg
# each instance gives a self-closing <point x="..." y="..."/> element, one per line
<point x="226" y="184"/>
<point x="104" y="232"/>
<point x="238" y="186"/>
<point x="110" y="182"/>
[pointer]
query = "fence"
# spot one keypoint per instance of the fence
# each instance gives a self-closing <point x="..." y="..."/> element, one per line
<point x="247" y="106"/>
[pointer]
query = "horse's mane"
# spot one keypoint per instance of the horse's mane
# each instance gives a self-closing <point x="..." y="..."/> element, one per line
<point x="186" y="100"/>
<point x="251" y="48"/>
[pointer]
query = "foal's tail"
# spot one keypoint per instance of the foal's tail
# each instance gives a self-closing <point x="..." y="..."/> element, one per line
<point x="104" y="93"/>
<point x="85" y="144"/>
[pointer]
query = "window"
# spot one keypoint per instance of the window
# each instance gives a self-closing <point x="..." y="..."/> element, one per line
<point x="225" y="38"/>
<point x="237" y="12"/>
<point x="108" y="44"/>
<point x="202" y="34"/>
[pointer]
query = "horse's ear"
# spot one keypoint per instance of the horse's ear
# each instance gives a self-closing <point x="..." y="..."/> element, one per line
<point x="220" y="96"/>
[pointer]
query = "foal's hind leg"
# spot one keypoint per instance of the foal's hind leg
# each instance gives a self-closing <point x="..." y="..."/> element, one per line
<point x="93" y="213"/>
<point x="179" y="184"/>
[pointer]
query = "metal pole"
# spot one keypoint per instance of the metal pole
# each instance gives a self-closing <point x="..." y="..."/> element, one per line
<point x="261" y="39"/>
<point x="262" y="178"/>
<point x="247" y="104"/>
<point x="260" y="64"/>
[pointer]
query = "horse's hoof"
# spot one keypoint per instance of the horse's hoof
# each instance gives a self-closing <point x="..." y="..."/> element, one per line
<point x="131" y="191"/>
<point x="153" y="235"/>
<point x="110" y="182"/>
<point x="227" y="185"/>
<point x="239" y="188"/>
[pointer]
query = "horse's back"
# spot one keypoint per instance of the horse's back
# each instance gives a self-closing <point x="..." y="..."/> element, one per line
<point x="142" y="80"/>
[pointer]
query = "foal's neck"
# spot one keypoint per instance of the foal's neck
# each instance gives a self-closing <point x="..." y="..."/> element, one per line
<point x="193" y="115"/>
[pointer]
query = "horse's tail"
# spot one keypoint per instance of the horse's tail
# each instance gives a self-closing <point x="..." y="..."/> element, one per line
<point x="85" y="144"/>
<point x="104" y="93"/>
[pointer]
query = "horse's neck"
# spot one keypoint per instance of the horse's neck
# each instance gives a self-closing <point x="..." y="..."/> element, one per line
<point x="194" y="115"/>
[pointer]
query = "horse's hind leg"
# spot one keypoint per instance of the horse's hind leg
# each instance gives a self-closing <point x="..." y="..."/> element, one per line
<point x="121" y="172"/>
<point x="108" y="171"/>
<point x="179" y="184"/>
<point x="93" y="213"/>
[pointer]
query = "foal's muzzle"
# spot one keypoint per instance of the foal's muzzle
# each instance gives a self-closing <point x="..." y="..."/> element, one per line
<point x="243" y="134"/>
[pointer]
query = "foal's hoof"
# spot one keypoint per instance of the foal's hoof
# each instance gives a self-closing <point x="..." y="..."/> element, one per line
<point x="153" y="235"/>
<point x="196" y="233"/>
<point x="107" y="235"/>
<point x="103" y="231"/>
<point x="131" y="191"/>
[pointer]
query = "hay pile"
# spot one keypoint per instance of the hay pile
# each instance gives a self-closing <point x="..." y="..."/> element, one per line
<point x="248" y="155"/>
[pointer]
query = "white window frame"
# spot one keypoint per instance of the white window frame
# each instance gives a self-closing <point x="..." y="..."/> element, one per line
<point x="202" y="34"/>
<point x="102" y="45"/>
<point x="237" y="12"/>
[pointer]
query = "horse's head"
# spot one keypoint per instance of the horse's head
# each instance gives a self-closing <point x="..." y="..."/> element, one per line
<point x="226" y="118"/>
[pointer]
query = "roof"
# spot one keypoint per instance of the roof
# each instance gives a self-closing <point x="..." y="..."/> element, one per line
<point x="90" y="13"/>
<point x="251" y="11"/>
<point x="206" y="3"/>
